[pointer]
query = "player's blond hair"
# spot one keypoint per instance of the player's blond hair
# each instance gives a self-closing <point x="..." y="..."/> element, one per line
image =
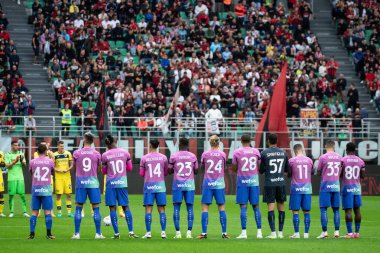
<point x="214" y="141"/>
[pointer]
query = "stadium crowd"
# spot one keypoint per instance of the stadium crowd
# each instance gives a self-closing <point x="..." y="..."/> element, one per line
<point x="144" y="50"/>
<point x="358" y="26"/>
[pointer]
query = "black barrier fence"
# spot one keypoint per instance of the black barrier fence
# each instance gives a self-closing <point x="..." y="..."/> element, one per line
<point x="370" y="185"/>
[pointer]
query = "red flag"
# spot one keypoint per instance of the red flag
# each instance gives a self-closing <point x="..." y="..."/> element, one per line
<point x="274" y="119"/>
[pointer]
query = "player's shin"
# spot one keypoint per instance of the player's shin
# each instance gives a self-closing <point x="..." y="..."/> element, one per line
<point x="204" y="222"/>
<point x="223" y="221"/>
<point x="243" y="217"/>
<point x="257" y="217"/>
<point x="190" y="216"/>
<point x="1" y="203"/>
<point x="78" y="218"/>
<point x="271" y="221"/>
<point x="58" y="203"/>
<point x="113" y="217"/>
<point x="176" y="216"/>
<point x="307" y="222"/>
<point x="97" y="219"/>
<point x="324" y="219"/>
<point x="11" y="203"/>
<point x="148" y="221"/>
<point x="163" y="221"/>
<point x="68" y="204"/>
<point x="48" y="223"/>
<point x="129" y="219"/>
<point x="358" y="219"/>
<point x="32" y="224"/>
<point x="296" y="222"/>
<point x="281" y="220"/>
<point x="336" y="218"/>
<point x="23" y="203"/>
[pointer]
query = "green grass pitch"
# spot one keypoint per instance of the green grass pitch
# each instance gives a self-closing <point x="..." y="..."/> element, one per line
<point x="14" y="231"/>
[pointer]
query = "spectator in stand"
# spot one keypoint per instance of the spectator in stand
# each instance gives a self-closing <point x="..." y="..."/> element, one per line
<point x="30" y="124"/>
<point x="353" y="97"/>
<point x="10" y="125"/>
<point x="341" y="84"/>
<point x="332" y="67"/>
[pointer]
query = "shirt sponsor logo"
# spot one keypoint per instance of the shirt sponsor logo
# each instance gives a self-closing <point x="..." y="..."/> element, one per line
<point x="154" y="187"/>
<point x="215" y="183"/>
<point x="248" y="181"/>
<point x="302" y="189"/>
<point x="41" y="190"/>
<point x="353" y="190"/>
<point x="332" y="186"/>
<point x="88" y="182"/>
<point x="277" y="179"/>
<point x="184" y="185"/>
<point x="117" y="182"/>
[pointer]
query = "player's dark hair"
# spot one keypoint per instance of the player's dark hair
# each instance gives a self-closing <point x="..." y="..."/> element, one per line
<point x="109" y="140"/>
<point x="297" y="147"/>
<point x="154" y="143"/>
<point x="183" y="144"/>
<point x="330" y="144"/>
<point x="350" y="148"/>
<point x="245" y="138"/>
<point x="89" y="138"/>
<point x="41" y="148"/>
<point x="272" y="139"/>
<point x="13" y="142"/>
<point x="60" y="142"/>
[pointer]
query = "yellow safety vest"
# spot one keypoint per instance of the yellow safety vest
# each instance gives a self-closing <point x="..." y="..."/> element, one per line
<point x="66" y="116"/>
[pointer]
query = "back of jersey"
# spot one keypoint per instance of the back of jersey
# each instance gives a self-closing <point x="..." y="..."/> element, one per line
<point x="274" y="163"/>
<point x="87" y="161"/>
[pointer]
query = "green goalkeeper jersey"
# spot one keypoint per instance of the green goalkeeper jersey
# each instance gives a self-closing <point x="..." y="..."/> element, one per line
<point x="15" y="172"/>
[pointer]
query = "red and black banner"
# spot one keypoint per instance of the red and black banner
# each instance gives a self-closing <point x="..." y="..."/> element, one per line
<point x="101" y="113"/>
<point x="274" y="119"/>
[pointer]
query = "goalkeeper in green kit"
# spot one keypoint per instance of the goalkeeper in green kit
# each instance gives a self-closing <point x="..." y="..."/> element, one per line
<point x="14" y="162"/>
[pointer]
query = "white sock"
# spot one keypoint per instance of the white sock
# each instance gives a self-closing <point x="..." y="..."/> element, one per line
<point x="259" y="230"/>
<point x="131" y="232"/>
<point x="336" y="232"/>
<point x="244" y="232"/>
<point x="274" y="233"/>
<point x="279" y="233"/>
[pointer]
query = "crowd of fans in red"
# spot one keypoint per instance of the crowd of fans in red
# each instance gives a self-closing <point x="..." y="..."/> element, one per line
<point x="358" y="24"/>
<point x="144" y="50"/>
<point x="14" y="97"/>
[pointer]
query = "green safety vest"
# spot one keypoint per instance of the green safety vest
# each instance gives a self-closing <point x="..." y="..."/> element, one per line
<point x="66" y="116"/>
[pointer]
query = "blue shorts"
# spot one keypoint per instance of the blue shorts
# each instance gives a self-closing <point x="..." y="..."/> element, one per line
<point x="329" y="199"/>
<point x="350" y="201"/>
<point x="92" y="193"/>
<point x="116" y="196"/>
<point x="188" y="196"/>
<point x="46" y="202"/>
<point x="300" y="201"/>
<point x="160" y="198"/>
<point x="218" y="194"/>
<point x="245" y="194"/>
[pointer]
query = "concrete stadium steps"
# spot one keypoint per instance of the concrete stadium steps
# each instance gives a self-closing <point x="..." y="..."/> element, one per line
<point x="35" y="76"/>
<point x="331" y="45"/>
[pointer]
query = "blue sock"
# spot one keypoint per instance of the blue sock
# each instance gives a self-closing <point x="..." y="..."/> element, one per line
<point x="48" y="221"/>
<point x="271" y="220"/>
<point x="307" y="222"/>
<point x="324" y="219"/>
<point x="223" y="221"/>
<point x="32" y="223"/>
<point x="243" y="217"/>
<point x="78" y="218"/>
<point x="357" y="227"/>
<point x="296" y="222"/>
<point x="349" y="226"/>
<point x="204" y="222"/>
<point x="113" y="216"/>
<point x="281" y="220"/>
<point x="97" y="219"/>
<point x="190" y="216"/>
<point x="163" y="221"/>
<point x="257" y="217"/>
<point x="129" y="219"/>
<point x="177" y="210"/>
<point x="148" y="221"/>
<point x="336" y="218"/>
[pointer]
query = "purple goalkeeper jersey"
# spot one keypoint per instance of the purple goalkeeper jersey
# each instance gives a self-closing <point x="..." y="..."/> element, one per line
<point x="41" y="169"/>
<point x="87" y="161"/>
<point x="214" y="162"/>
<point x="154" y="167"/>
<point x="184" y="163"/>
<point x="247" y="161"/>
<point x="301" y="168"/>
<point x="116" y="161"/>
<point x="351" y="168"/>
<point x="329" y="165"/>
